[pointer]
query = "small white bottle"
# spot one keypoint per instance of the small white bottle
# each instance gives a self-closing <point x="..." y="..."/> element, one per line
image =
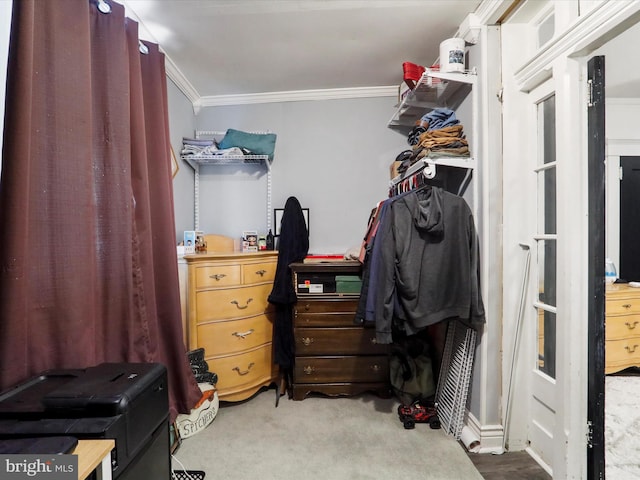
<point x="610" y="274"/>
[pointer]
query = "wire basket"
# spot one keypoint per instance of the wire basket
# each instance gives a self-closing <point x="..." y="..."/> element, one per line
<point x="187" y="475"/>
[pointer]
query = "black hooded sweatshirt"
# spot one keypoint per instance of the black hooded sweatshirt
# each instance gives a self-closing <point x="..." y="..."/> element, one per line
<point x="293" y="246"/>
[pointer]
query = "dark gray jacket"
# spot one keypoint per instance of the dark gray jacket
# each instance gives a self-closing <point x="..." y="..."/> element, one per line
<point x="429" y="266"/>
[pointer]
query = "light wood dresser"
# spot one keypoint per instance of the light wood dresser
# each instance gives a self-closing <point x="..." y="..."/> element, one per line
<point x="229" y="316"/>
<point x="622" y="326"/>
<point x="333" y="355"/>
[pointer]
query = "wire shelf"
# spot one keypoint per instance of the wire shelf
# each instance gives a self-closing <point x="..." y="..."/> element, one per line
<point x="455" y="377"/>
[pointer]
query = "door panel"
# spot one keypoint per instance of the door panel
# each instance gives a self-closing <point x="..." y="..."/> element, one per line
<point x="542" y="424"/>
<point x="629" y="268"/>
<point x="596" y="258"/>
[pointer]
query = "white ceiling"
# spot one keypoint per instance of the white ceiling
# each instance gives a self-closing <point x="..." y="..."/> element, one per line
<point x="244" y="47"/>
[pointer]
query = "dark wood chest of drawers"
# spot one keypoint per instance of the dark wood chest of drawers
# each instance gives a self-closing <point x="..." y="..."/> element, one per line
<point x="333" y="355"/>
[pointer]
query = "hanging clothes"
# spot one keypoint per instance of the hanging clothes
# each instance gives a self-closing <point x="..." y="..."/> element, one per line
<point x="293" y="246"/>
<point x="426" y="260"/>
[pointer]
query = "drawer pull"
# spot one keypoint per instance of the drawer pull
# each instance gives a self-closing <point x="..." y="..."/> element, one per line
<point x="242" y="334"/>
<point x="235" y="302"/>
<point x="626" y="305"/>
<point x="308" y="370"/>
<point x="631" y="327"/>
<point x="375" y="368"/>
<point x="261" y="272"/>
<point x="306" y="341"/>
<point x="307" y="307"/>
<point x="374" y="340"/>
<point x="631" y="349"/>
<point x="237" y="369"/>
<point x="218" y="276"/>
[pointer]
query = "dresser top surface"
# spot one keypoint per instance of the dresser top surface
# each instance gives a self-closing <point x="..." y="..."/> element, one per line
<point x="203" y="257"/>
<point x="346" y="266"/>
<point x="622" y="288"/>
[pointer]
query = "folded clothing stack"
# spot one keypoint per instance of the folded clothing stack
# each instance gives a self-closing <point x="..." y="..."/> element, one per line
<point x="200" y="147"/>
<point x="443" y="142"/>
<point x="437" y="134"/>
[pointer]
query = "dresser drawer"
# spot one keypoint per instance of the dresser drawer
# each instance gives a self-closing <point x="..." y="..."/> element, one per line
<point x="623" y="326"/>
<point x="259" y="272"/>
<point x="232" y="302"/>
<point x="235" y="336"/>
<point x="337" y="341"/>
<point x="236" y="371"/>
<point x="325" y="313"/>
<point x="217" y="276"/>
<point x="326" y="320"/>
<point x="341" y="369"/>
<point x="622" y="306"/>
<point x="621" y="354"/>
<point x="336" y="305"/>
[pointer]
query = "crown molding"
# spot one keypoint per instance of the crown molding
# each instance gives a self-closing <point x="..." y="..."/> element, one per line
<point x="577" y="40"/>
<point x="176" y="76"/>
<point x="296" y="96"/>
<point x="490" y="12"/>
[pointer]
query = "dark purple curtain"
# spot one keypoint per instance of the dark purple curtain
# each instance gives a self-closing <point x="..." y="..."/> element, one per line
<point x="88" y="269"/>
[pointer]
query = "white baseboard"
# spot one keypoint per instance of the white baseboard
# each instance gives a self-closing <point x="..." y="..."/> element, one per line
<point x="488" y="438"/>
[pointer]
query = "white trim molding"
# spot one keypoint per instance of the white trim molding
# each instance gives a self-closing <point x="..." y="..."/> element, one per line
<point x="175" y="75"/>
<point x="578" y="39"/>
<point x="297" y="96"/>
<point x="490" y="437"/>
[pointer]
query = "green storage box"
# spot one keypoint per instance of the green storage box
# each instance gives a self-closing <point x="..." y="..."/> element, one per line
<point x="348" y="284"/>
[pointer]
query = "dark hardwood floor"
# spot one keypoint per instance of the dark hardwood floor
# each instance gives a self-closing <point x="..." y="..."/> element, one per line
<point x="508" y="466"/>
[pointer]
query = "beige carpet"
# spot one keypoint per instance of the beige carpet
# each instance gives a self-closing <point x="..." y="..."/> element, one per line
<point x="622" y="424"/>
<point x="321" y="438"/>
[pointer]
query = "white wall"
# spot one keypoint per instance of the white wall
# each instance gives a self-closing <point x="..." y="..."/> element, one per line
<point x="333" y="155"/>
<point x="181" y="124"/>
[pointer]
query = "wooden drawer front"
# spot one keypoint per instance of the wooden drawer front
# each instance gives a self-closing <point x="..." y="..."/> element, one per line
<point x="622" y="306"/>
<point x="223" y="338"/>
<point x="217" y="276"/>
<point x="341" y="369"/>
<point x="337" y="341"/>
<point x="245" y="369"/>
<point x="327" y="320"/>
<point x="337" y="305"/>
<point x="622" y="353"/>
<point x="232" y="302"/>
<point x="624" y="326"/>
<point x="259" y="272"/>
<point x="325" y="313"/>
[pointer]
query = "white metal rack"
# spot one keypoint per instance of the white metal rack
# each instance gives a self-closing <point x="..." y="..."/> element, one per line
<point x="197" y="161"/>
<point x="455" y="377"/>
<point x="437" y="89"/>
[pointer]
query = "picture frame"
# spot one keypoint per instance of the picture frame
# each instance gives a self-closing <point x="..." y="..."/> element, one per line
<point x="277" y="219"/>
<point x="174" y="437"/>
<point x="250" y="241"/>
<point x="174" y="164"/>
